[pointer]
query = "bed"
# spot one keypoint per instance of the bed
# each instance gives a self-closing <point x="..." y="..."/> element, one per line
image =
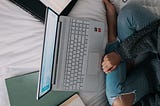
<point x="21" y="39"/>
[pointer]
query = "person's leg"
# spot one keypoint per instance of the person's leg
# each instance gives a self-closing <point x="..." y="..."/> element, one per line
<point x="123" y="89"/>
<point x="114" y="81"/>
<point x="132" y="18"/>
<point x="119" y="88"/>
<point x="136" y="82"/>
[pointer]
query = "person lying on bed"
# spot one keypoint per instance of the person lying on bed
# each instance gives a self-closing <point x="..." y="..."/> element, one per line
<point x="137" y="31"/>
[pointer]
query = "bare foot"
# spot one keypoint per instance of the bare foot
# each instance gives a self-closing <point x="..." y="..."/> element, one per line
<point x="111" y="20"/>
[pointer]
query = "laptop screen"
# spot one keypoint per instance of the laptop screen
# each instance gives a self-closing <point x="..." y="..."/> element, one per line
<point x="45" y="79"/>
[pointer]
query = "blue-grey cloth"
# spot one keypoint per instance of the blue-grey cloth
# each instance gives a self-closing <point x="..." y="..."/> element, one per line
<point x="137" y="31"/>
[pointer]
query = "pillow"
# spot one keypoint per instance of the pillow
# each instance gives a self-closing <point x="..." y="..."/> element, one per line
<point x="93" y="9"/>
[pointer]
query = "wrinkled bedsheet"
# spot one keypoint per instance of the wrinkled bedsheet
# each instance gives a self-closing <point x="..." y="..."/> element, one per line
<point x="21" y="39"/>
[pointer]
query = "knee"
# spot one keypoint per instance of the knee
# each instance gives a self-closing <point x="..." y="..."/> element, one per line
<point x="124" y="100"/>
<point x="126" y="14"/>
<point x="129" y="10"/>
<point x="126" y="22"/>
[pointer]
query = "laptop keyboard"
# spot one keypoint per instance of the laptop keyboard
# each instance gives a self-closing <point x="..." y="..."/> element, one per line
<point x="77" y="50"/>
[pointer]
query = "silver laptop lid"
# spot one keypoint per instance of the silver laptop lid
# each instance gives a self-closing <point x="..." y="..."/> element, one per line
<point x="45" y="74"/>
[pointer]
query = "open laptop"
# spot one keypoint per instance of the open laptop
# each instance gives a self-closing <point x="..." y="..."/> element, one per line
<point x="72" y="52"/>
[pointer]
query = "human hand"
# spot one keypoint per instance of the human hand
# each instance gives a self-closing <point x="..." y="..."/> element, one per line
<point x="110" y="62"/>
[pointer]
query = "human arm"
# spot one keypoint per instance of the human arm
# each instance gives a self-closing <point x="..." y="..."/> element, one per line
<point x="111" y="16"/>
<point x="143" y="41"/>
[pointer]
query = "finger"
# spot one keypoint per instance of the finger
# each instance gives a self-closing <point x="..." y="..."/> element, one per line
<point x="106" y="58"/>
<point x="106" y="63"/>
<point x="107" y="71"/>
<point x="107" y="68"/>
<point x="112" y="69"/>
<point x="103" y="63"/>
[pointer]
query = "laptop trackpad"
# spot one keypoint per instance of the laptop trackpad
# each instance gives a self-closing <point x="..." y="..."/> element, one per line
<point x="91" y="83"/>
<point x="93" y="64"/>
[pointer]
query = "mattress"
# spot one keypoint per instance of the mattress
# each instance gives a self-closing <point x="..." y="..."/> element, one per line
<point x="21" y="40"/>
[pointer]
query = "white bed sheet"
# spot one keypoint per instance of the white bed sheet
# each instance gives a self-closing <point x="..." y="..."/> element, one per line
<point x="21" y="38"/>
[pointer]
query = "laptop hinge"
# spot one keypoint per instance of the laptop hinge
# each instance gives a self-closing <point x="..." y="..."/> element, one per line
<point x="55" y="66"/>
